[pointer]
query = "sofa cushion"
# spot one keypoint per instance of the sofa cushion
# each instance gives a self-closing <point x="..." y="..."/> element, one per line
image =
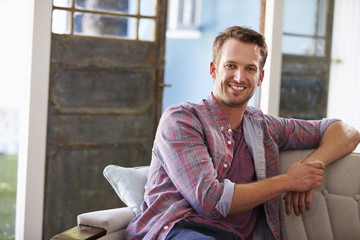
<point x="128" y="184"/>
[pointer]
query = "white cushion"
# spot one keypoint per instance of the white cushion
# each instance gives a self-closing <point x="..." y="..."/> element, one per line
<point x="111" y="220"/>
<point x="128" y="183"/>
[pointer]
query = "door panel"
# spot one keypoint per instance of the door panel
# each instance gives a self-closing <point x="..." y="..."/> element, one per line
<point x="105" y="102"/>
<point x="304" y="87"/>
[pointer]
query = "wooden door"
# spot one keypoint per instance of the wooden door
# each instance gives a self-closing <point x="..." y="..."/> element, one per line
<point x="306" y="58"/>
<point x="105" y="94"/>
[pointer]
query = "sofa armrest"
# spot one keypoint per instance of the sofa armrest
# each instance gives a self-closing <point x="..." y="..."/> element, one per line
<point x="111" y="220"/>
<point x="105" y="225"/>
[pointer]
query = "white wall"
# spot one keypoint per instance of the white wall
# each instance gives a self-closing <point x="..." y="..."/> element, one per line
<point x="344" y="97"/>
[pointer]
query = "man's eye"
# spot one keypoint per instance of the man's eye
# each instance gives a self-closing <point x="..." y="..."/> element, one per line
<point x="230" y="66"/>
<point x="252" y="69"/>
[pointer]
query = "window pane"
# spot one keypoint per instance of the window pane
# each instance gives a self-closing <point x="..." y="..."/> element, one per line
<point x="62" y="3"/>
<point x="102" y="25"/>
<point x="320" y="47"/>
<point x="322" y="17"/>
<point x="148" y="7"/>
<point x="146" y="29"/>
<point x="300" y="16"/>
<point x="61" y="22"/>
<point x="116" y="6"/>
<point x="303" y="46"/>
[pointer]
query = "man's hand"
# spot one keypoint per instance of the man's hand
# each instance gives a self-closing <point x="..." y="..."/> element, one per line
<point x="300" y="201"/>
<point x="305" y="178"/>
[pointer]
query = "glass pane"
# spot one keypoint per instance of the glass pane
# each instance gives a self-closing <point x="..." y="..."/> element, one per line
<point x="300" y="16"/>
<point x="148" y="7"/>
<point x="320" y="47"/>
<point x="147" y="29"/>
<point x="116" y="6"/>
<point x="303" y="46"/>
<point x="61" y="22"/>
<point x="101" y="25"/>
<point x="62" y="3"/>
<point x="322" y="18"/>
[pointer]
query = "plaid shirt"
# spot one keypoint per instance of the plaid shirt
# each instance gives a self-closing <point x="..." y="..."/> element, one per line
<point x="192" y="152"/>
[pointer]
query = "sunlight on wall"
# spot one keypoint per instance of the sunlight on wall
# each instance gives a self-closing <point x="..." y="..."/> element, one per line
<point x="11" y="78"/>
<point x="344" y="98"/>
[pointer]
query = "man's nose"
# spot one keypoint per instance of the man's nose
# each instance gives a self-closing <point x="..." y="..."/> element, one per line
<point x="238" y="74"/>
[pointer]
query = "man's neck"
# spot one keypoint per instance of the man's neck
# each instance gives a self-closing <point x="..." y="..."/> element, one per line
<point x="233" y="114"/>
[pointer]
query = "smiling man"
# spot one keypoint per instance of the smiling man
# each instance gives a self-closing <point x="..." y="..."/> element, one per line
<point x="214" y="171"/>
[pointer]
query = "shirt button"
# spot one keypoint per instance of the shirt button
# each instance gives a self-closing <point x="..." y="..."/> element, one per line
<point x="229" y="142"/>
<point x="225" y="165"/>
<point x="229" y="130"/>
<point x="166" y="227"/>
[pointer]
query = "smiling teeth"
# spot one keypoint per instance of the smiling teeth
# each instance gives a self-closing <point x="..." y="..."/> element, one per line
<point x="237" y="88"/>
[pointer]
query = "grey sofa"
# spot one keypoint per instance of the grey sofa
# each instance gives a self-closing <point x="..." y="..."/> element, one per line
<point x="335" y="212"/>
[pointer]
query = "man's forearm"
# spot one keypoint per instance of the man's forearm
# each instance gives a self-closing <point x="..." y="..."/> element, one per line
<point x="299" y="177"/>
<point x="338" y="140"/>
<point x="248" y="196"/>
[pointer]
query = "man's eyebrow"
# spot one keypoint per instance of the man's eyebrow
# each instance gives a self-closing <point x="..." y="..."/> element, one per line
<point x="253" y="65"/>
<point x="231" y="61"/>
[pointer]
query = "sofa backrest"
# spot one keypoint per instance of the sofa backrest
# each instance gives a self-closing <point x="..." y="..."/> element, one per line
<point x="335" y="210"/>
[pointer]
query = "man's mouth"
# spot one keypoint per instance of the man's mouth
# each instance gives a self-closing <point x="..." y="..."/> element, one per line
<point x="237" y="87"/>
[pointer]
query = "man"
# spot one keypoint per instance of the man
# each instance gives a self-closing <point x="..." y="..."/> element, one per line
<point x="214" y="170"/>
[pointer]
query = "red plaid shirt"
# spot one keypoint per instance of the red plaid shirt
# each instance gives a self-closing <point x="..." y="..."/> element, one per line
<point x="192" y="153"/>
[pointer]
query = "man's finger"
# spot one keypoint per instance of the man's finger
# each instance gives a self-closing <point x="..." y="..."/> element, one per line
<point x="295" y="203"/>
<point x="309" y="196"/>
<point x="318" y="164"/>
<point x="288" y="201"/>
<point x="302" y="204"/>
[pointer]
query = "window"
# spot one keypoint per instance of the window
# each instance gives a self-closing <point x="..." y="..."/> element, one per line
<point x="124" y="19"/>
<point x="184" y="19"/>
<point x="304" y="27"/>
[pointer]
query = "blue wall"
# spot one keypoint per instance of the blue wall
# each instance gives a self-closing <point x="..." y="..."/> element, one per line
<point x="188" y="60"/>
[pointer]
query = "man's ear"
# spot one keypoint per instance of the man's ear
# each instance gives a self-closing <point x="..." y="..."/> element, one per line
<point x="212" y="70"/>
<point x="261" y="78"/>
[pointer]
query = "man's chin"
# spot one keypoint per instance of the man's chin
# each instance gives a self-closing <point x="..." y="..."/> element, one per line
<point x="236" y="104"/>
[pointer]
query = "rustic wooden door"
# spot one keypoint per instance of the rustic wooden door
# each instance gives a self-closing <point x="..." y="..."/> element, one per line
<point x="106" y="82"/>
<point x="306" y="58"/>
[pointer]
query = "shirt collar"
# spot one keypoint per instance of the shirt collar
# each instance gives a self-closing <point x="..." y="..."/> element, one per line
<point x="218" y="114"/>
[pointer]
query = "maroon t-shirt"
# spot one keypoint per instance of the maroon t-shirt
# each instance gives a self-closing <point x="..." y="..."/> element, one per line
<point x="241" y="171"/>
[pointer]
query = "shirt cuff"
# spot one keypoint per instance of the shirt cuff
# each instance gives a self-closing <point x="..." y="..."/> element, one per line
<point x="325" y="123"/>
<point x="223" y="206"/>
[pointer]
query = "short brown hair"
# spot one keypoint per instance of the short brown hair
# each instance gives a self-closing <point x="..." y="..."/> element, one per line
<point x="243" y="34"/>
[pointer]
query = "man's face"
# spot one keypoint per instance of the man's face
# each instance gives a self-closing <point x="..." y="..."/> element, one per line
<point x="237" y="73"/>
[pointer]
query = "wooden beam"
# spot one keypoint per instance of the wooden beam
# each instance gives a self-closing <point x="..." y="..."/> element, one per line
<point x="81" y="233"/>
<point x="262" y="16"/>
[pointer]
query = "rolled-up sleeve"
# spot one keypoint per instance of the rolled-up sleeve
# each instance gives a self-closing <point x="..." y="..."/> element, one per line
<point x="325" y="123"/>
<point x="224" y="204"/>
